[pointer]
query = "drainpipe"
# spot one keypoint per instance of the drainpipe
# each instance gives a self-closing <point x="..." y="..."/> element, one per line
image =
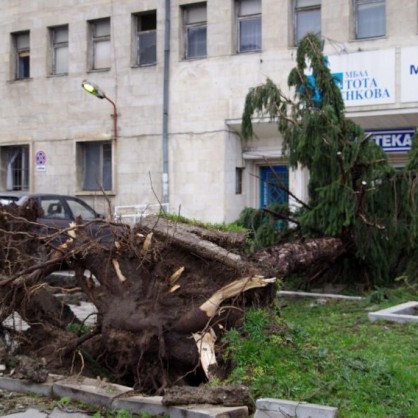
<point x="165" y="182"/>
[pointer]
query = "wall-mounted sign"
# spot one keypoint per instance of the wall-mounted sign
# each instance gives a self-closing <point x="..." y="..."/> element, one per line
<point x="40" y="161"/>
<point x="409" y="74"/>
<point x="393" y="140"/>
<point x="365" y="78"/>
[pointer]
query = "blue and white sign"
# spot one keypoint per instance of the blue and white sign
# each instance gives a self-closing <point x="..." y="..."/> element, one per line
<point x="409" y="74"/>
<point x="365" y="78"/>
<point x="393" y="140"/>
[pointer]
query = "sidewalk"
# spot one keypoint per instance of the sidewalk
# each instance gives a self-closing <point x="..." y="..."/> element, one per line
<point x="108" y="395"/>
<point x="56" y="413"/>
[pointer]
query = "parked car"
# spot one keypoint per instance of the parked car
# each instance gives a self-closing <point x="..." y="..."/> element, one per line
<point x="6" y="198"/>
<point x="60" y="210"/>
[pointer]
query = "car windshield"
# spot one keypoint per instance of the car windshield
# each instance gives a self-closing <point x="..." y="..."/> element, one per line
<point x="80" y="209"/>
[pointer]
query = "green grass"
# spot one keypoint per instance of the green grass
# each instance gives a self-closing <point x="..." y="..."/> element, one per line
<point x="333" y="355"/>
<point x="232" y="227"/>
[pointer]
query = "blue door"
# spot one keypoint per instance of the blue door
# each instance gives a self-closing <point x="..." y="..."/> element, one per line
<point x="270" y="180"/>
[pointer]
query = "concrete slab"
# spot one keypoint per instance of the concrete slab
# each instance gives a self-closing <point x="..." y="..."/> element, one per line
<point x="29" y="413"/>
<point x="24" y="386"/>
<point x="208" y="411"/>
<point x="58" y="413"/>
<point x="88" y="390"/>
<point x="281" y="408"/>
<point x="405" y="312"/>
<point x="150" y="404"/>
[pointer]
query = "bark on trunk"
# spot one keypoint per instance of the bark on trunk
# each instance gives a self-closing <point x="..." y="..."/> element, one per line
<point x="296" y="256"/>
<point x="194" y="240"/>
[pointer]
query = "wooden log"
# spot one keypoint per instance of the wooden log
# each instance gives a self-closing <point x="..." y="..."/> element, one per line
<point x="291" y="257"/>
<point x="226" y="239"/>
<point x="179" y="235"/>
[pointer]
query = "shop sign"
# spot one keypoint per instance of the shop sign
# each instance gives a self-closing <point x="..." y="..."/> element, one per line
<point x="409" y="74"/>
<point x="393" y="140"/>
<point x="365" y="78"/>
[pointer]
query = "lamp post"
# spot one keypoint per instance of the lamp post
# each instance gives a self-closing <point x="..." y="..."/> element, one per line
<point x="95" y="90"/>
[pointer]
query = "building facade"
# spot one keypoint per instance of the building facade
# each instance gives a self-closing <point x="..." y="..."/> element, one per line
<point x="175" y="75"/>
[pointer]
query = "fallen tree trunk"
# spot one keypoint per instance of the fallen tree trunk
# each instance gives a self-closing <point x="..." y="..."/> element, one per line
<point x="193" y="239"/>
<point x="292" y="257"/>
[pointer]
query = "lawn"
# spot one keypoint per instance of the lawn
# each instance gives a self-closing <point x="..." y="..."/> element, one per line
<point x="328" y="352"/>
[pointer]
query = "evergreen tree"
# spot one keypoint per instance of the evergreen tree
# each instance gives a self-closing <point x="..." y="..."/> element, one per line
<point x="354" y="193"/>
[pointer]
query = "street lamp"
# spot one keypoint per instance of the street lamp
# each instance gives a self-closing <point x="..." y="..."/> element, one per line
<point x="95" y="90"/>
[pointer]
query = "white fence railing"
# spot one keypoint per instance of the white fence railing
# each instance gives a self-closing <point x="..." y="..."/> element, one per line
<point x="131" y="214"/>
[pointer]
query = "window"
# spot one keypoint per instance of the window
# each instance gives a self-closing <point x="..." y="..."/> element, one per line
<point x="21" y="43"/>
<point x="248" y="25"/>
<point x="54" y="208"/>
<point x="59" y="49"/>
<point x="195" y="30"/>
<point x="79" y="208"/>
<point x="146" y="38"/>
<point x="307" y="14"/>
<point x="238" y="179"/>
<point x="370" y="18"/>
<point x="15" y="160"/>
<point x="95" y="162"/>
<point x="100" y="44"/>
<point x="274" y="183"/>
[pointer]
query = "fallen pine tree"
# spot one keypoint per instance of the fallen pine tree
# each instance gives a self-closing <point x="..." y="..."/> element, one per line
<point x="165" y="294"/>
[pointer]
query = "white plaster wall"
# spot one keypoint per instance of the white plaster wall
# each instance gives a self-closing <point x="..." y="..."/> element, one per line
<point x="53" y="113"/>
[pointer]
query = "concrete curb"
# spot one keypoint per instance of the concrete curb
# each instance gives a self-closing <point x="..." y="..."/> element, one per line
<point x="114" y="396"/>
<point x="280" y="408"/>
<point x="294" y="294"/>
<point x="405" y="312"/>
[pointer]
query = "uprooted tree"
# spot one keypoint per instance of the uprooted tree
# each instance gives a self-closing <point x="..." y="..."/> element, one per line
<point x="354" y="193"/>
<point x="166" y="293"/>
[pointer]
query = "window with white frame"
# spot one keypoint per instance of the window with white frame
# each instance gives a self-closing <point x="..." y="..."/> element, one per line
<point x="15" y="167"/>
<point x="307" y="18"/>
<point x="195" y="30"/>
<point x="248" y="25"/>
<point x="100" y="49"/>
<point x="59" y="49"/>
<point x="146" y="38"/>
<point x="370" y="18"/>
<point x="95" y="165"/>
<point x="21" y="43"/>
